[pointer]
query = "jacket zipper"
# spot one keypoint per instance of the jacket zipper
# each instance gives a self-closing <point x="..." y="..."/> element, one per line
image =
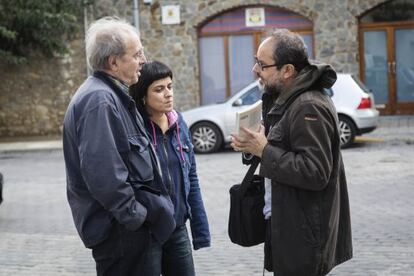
<point x="170" y="186"/>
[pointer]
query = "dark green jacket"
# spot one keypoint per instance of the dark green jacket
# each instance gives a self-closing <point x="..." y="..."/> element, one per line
<point x="311" y="228"/>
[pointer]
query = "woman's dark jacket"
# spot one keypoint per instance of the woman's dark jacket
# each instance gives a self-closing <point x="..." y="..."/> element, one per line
<point x="310" y="222"/>
<point x="176" y="144"/>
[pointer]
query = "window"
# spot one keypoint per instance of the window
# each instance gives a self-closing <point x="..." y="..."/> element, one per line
<point x="212" y="68"/>
<point x="252" y="96"/>
<point x="227" y="47"/>
<point x="240" y="61"/>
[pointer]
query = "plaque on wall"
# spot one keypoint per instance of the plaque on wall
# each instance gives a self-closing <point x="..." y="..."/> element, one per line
<point x="170" y="14"/>
<point x="255" y="17"/>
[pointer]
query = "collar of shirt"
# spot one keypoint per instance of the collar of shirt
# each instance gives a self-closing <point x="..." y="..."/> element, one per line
<point x="119" y="87"/>
<point x="120" y="84"/>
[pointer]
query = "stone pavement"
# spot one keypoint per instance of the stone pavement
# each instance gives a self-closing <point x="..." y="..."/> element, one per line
<point x="393" y="129"/>
<point x="37" y="236"/>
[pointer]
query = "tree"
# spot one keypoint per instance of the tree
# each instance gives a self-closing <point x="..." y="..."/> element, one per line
<point x="36" y="26"/>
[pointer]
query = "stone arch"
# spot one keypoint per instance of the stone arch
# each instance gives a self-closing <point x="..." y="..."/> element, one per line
<point x="209" y="12"/>
<point x="360" y="7"/>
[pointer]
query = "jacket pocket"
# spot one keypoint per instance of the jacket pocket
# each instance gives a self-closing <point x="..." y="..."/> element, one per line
<point x="188" y="150"/>
<point x="307" y="231"/>
<point x="296" y="244"/>
<point x="160" y="210"/>
<point x="140" y="165"/>
<point x="150" y="197"/>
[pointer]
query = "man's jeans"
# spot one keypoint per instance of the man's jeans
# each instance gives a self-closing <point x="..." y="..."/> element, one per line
<point x="172" y="258"/>
<point x="123" y="253"/>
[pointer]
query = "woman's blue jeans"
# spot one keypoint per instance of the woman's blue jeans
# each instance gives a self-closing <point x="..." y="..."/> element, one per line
<point x="172" y="258"/>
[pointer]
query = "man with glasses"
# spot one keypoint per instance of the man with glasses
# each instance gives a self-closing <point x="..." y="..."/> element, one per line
<point x="111" y="167"/>
<point x="306" y="197"/>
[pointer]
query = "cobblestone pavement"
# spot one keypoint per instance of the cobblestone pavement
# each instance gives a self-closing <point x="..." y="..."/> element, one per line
<point x="37" y="236"/>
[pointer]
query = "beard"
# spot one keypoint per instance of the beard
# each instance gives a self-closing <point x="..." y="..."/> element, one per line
<point x="273" y="89"/>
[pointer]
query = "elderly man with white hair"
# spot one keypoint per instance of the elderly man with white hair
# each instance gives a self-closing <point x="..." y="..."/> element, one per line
<point x="112" y="170"/>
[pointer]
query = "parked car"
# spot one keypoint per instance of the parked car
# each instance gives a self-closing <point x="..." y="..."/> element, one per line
<point x="211" y="125"/>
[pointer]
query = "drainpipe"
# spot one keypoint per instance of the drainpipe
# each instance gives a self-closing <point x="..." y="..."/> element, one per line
<point x="136" y="14"/>
<point x="85" y="28"/>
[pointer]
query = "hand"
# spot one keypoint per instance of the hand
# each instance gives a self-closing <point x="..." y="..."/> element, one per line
<point x="251" y="141"/>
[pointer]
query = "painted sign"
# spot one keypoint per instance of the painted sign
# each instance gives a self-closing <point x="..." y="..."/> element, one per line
<point x="255" y="17"/>
<point x="170" y="14"/>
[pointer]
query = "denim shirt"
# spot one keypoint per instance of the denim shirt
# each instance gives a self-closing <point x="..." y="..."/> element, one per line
<point x="181" y="148"/>
<point x="111" y="168"/>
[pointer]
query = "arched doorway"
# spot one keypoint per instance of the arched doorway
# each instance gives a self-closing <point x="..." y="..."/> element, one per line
<point x="387" y="48"/>
<point x="228" y="42"/>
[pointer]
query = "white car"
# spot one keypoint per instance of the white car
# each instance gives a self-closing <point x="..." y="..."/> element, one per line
<point x="211" y="125"/>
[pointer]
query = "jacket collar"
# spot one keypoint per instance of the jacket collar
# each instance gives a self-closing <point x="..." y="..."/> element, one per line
<point x="174" y="120"/>
<point x="119" y="87"/>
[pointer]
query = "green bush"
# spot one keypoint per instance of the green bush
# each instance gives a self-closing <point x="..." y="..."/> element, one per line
<point x="36" y="26"/>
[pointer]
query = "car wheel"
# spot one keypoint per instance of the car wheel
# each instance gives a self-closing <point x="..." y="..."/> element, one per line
<point x="206" y="137"/>
<point x="347" y="131"/>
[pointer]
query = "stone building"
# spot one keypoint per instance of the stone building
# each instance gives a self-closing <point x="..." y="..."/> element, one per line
<point x="210" y="46"/>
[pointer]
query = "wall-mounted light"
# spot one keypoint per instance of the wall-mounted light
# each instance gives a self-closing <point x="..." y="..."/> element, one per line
<point x="147" y="2"/>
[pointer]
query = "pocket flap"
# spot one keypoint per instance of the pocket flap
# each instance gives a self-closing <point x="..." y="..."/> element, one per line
<point x="138" y="141"/>
<point x="147" y="188"/>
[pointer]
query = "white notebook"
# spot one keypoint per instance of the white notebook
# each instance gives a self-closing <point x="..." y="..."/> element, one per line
<point x="250" y="117"/>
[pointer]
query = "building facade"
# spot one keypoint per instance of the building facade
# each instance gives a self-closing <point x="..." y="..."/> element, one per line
<point x="210" y="47"/>
<point x="211" y="50"/>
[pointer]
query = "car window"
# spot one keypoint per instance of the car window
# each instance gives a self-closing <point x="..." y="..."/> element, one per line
<point x="358" y="81"/>
<point x="252" y="96"/>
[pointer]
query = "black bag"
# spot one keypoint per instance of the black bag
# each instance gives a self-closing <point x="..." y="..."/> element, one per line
<point x="247" y="225"/>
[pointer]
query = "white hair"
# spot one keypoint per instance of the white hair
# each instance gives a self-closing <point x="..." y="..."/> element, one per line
<point x="105" y="37"/>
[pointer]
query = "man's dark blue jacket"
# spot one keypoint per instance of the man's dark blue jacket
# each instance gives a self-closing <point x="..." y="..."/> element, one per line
<point x="111" y="166"/>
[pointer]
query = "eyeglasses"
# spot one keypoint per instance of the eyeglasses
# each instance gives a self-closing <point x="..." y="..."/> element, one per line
<point x="140" y="53"/>
<point x="263" y="66"/>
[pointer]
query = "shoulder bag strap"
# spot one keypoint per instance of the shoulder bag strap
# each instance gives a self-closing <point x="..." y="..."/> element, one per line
<point x="249" y="175"/>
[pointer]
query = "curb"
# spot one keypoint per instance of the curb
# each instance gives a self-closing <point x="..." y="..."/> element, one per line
<point x="30" y="146"/>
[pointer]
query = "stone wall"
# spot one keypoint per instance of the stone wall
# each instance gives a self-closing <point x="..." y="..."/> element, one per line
<point x="33" y="98"/>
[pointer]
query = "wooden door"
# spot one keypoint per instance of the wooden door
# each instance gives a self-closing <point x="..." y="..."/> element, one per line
<point x="387" y="65"/>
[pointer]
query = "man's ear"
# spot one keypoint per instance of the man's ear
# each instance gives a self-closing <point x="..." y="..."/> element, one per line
<point x="112" y="63"/>
<point x="289" y="71"/>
